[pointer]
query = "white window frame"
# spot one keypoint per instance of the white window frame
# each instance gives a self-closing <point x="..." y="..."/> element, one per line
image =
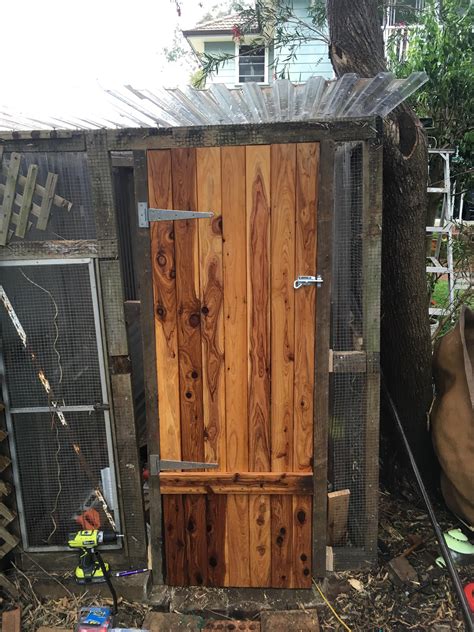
<point x="237" y="64"/>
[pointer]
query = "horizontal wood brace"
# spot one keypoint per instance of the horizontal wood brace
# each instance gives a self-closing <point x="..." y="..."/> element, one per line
<point x="354" y="362"/>
<point x="347" y="361"/>
<point x="236" y="483"/>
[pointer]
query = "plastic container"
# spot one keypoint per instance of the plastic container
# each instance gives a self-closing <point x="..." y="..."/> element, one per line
<point x="94" y="619"/>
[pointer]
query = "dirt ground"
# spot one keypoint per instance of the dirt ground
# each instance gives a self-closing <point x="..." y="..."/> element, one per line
<point x="371" y="600"/>
<point x="365" y="601"/>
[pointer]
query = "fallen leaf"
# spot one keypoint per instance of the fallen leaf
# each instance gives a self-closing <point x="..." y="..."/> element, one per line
<point x="355" y="583"/>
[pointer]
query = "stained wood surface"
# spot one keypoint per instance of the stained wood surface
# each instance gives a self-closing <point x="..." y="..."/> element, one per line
<point x="212" y="299"/>
<point x="283" y="196"/>
<point x="307" y="179"/>
<point x="258" y="298"/>
<point x="235" y="483"/>
<point x="175" y="540"/>
<point x="235" y="348"/>
<point x="163" y="259"/>
<point x="188" y="306"/>
<point x="236" y="363"/>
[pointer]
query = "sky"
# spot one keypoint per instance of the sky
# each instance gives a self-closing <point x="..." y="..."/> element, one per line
<point x="59" y="54"/>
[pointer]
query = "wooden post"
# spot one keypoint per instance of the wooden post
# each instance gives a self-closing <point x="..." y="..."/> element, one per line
<point x="321" y="390"/>
<point x="371" y="273"/>
<point x="143" y="267"/>
<point x="123" y="417"/>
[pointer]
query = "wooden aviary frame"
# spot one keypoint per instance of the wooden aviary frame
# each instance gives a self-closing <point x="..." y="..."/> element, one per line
<point x="103" y="144"/>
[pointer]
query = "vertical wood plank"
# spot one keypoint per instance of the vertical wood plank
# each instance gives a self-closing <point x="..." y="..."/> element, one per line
<point x="143" y="266"/>
<point x="188" y="306"/>
<point x="307" y="179"/>
<point x="212" y="298"/>
<point x="175" y="539"/>
<point x="236" y="357"/>
<point x="9" y="196"/>
<point x="183" y="163"/>
<point x="321" y="388"/>
<point x="216" y="538"/>
<point x="258" y="296"/>
<point x="283" y="194"/>
<point x="196" y="539"/>
<point x="27" y="201"/>
<point x="164" y="291"/>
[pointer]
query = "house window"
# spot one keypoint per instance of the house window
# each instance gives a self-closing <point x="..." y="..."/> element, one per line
<point x="251" y="64"/>
<point x="403" y="12"/>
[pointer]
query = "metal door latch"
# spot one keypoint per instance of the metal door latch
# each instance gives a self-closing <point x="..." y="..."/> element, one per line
<point x="158" y="465"/>
<point x="308" y="280"/>
<point x="147" y="215"/>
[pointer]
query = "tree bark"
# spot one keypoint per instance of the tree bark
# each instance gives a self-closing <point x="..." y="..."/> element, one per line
<point x="356" y="45"/>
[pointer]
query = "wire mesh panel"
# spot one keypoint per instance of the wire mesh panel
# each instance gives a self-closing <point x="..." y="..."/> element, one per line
<point x="66" y="175"/>
<point x="54" y="305"/>
<point x="57" y="483"/>
<point x="348" y="388"/>
<point x="59" y="461"/>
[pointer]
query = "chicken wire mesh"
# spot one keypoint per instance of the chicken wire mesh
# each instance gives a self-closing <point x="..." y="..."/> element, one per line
<point x="54" y="305"/>
<point x="348" y="391"/>
<point x="57" y="465"/>
<point x="57" y="487"/>
<point x="73" y="185"/>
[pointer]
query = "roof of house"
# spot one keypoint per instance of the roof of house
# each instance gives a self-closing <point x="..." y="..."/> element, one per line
<point x="224" y="24"/>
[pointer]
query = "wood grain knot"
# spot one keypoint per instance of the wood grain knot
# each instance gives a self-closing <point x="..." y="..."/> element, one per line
<point x="212" y="562"/>
<point x="191" y="526"/>
<point x="303" y="557"/>
<point x="194" y="320"/>
<point x="301" y="515"/>
<point x="217" y="225"/>
<point x="205" y="310"/>
<point x="161" y="312"/>
<point x="161" y="260"/>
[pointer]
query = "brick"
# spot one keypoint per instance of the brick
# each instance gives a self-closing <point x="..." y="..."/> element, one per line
<point x="296" y="621"/>
<point x="172" y="622"/>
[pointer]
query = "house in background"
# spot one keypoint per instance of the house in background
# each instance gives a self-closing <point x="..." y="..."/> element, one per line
<point x="261" y="64"/>
<point x="266" y="63"/>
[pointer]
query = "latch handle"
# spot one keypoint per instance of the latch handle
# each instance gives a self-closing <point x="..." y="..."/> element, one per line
<point x="307" y="280"/>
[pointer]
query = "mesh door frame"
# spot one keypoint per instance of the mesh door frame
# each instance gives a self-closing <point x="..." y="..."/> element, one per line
<point x="101" y="354"/>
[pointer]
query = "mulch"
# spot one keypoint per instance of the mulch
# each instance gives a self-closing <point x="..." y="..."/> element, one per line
<point x="371" y="600"/>
<point x="366" y="600"/>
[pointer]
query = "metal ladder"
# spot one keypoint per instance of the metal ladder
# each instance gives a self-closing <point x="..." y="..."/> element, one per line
<point x="445" y="228"/>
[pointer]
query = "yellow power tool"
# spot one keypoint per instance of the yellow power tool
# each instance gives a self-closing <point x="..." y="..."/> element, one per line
<point x="91" y="567"/>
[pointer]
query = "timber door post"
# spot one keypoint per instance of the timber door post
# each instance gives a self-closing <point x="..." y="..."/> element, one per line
<point x="321" y="377"/>
<point x="143" y="266"/>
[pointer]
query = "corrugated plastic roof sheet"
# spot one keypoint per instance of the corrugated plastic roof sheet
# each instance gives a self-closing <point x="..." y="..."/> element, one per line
<point x="317" y="99"/>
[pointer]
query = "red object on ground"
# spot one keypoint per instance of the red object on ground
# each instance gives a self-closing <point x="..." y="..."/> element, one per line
<point x="469" y="592"/>
<point x="146" y="474"/>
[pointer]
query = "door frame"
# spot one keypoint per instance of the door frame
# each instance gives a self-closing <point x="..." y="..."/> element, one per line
<point x="368" y="132"/>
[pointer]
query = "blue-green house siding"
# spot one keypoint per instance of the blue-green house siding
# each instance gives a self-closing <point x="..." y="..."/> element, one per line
<point x="311" y="58"/>
<point x="226" y="72"/>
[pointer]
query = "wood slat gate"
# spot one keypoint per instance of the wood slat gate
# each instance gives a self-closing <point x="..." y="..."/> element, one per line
<point x="235" y="354"/>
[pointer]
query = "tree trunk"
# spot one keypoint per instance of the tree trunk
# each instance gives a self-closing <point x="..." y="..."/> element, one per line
<point x="356" y="45"/>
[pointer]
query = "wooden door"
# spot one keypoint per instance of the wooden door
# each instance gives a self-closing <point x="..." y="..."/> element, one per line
<point x="235" y="361"/>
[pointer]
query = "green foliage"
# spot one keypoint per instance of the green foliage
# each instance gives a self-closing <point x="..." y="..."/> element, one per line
<point x="441" y="45"/>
